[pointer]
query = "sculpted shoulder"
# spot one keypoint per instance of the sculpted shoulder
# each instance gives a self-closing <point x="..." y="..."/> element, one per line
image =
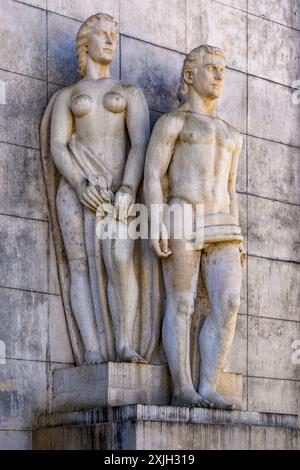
<point x="64" y="95"/>
<point x="132" y="93"/>
<point x="170" y="124"/>
<point x="236" y="134"/>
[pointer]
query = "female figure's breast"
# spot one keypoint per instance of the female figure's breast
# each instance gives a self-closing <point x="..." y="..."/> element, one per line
<point x="81" y="105"/>
<point x="114" y="102"/>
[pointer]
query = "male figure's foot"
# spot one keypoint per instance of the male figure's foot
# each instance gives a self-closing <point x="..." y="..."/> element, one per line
<point x="129" y="355"/>
<point x="190" y="398"/>
<point x="92" y="357"/>
<point x="220" y="402"/>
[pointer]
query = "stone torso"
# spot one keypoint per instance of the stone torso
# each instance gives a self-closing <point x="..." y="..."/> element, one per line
<point x="200" y="166"/>
<point x="199" y="172"/>
<point x="98" y="108"/>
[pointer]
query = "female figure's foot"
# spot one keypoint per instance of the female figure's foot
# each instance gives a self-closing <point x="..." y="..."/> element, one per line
<point x="92" y="357"/>
<point x="129" y="355"/>
<point x="190" y="398"/>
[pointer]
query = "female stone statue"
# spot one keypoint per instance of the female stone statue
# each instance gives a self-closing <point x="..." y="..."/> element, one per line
<point x="91" y="122"/>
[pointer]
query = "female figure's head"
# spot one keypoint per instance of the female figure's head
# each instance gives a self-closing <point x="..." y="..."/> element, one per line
<point x="98" y="39"/>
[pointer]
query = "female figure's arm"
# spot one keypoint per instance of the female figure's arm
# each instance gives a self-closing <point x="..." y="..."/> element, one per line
<point x="138" y="126"/>
<point x="61" y="130"/>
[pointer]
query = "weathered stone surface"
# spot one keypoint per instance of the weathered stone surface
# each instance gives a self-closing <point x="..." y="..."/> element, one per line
<point x="110" y="384"/>
<point x="59" y="341"/>
<point x="273" y="396"/>
<point x="273" y="170"/>
<point x="54" y="286"/>
<point x="24" y="324"/>
<point x="53" y="88"/>
<point x="23" y="48"/>
<point x="280" y="61"/>
<point x="157" y="71"/>
<point x="285" y="11"/>
<point x="240" y="4"/>
<point x="232" y="104"/>
<point x="241" y="181"/>
<point x="242" y="203"/>
<point x="273" y="289"/>
<point x="270" y="348"/>
<point x="161" y="23"/>
<point x="82" y="10"/>
<point x="15" y="440"/>
<point x="118" y="384"/>
<point x="21" y="115"/>
<point x="171" y="414"/>
<point x="272" y="114"/>
<point x="62" y="62"/>
<point x="154" y="116"/>
<point x="243" y="306"/>
<point x="237" y="359"/>
<point x="267" y="229"/>
<point x="152" y="427"/>
<point x="22" y="193"/>
<point x="22" y="394"/>
<point x="230" y="386"/>
<point x="36" y="3"/>
<point x="218" y="25"/>
<point x="273" y="438"/>
<point x="23" y="246"/>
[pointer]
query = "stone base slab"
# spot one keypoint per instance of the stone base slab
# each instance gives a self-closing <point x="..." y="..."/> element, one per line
<point x="119" y="384"/>
<point x="144" y="427"/>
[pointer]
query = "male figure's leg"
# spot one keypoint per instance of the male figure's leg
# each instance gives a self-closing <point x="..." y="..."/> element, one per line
<point x="181" y="272"/>
<point x="221" y="271"/>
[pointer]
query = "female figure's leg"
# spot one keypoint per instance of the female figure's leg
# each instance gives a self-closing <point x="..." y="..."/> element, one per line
<point x="71" y="221"/>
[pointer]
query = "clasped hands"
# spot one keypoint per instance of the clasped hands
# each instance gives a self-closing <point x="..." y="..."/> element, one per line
<point x="94" y="194"/>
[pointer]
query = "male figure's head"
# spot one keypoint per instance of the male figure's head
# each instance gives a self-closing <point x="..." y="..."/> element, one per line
<point x="98" y="38"/>
<point x="203" y="70"/>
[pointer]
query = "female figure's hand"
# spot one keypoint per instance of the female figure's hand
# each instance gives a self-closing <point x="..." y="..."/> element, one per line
<point x="123" y="201"/>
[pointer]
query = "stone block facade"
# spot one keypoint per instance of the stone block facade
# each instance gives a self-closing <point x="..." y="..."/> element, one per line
<point x="262" y="44"/>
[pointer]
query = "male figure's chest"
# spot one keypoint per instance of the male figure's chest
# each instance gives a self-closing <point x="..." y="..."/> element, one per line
<point x="210" y="133"/>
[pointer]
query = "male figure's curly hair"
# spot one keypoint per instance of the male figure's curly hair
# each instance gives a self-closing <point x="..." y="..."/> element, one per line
<point x="192" y="61"/>
<point x="83" y="37"/>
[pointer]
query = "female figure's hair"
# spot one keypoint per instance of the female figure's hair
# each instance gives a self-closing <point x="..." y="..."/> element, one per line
<point x="83" y="37"/>
<point x="192" y="61"/>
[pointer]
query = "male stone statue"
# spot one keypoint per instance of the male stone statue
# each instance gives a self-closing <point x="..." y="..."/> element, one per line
<point x="99" y="136"/>
<point x="197" y="153"/>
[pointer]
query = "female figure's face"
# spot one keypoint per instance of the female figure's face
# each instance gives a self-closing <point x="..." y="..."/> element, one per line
<point x="103" y="42"/>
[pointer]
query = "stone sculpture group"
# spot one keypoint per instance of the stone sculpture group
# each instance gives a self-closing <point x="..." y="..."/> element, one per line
<point x="97" y="132"/>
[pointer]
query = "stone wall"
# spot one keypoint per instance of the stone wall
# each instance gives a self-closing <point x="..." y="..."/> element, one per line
<point x="261" y="40"/>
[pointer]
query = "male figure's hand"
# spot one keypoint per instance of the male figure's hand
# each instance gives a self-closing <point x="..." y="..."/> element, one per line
<point x="160" y="245"/>
<point x="243" y="255"/>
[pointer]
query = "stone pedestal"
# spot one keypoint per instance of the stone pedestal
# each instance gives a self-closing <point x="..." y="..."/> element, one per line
<point x="118" y="384"/>
<point x="99" y="407"/>
<point x="146" y="427"/>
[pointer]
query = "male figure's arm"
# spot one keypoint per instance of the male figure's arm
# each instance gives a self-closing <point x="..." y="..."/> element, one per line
<point x="160" y="151"/>
<point x="232" y="191"/>
<point x="138" y="126"/>
<point x="232" y="179"/>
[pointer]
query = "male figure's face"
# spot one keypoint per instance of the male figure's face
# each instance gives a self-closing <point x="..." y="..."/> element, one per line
<point x="208" y="78"/>
<point x="103" y="42"/>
